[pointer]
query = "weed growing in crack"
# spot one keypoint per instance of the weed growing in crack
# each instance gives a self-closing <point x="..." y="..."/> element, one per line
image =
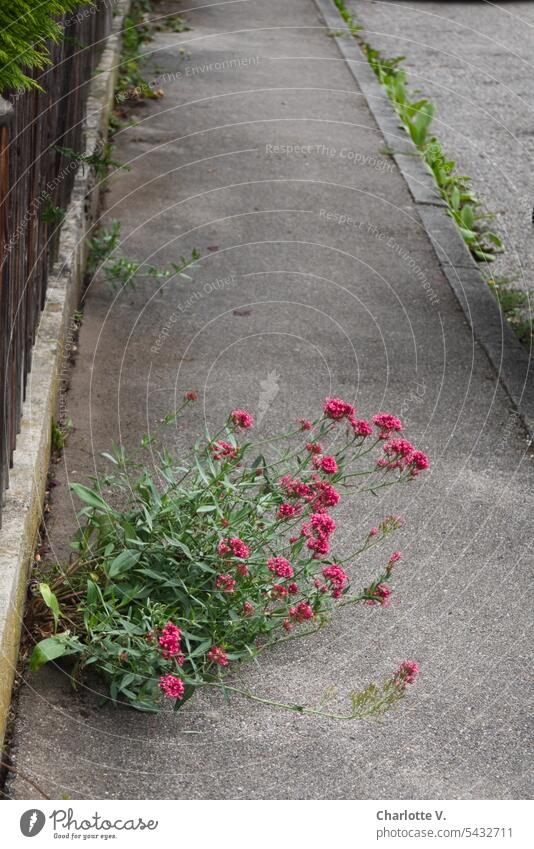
<point x="184" y="567"/>
<point x="120" y="272"/>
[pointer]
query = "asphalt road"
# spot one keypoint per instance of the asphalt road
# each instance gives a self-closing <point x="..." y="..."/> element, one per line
<point x="475" y="61"/>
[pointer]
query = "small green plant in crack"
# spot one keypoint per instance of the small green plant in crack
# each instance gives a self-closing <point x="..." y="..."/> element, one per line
<point x="58" y="435"/>
<point x="172" y="23"/>
<point x="515" y="305"/>
<point x="101" y="159"/>
<point x="52" y="214"/>
<point x="136" y="32"/>
<point x="101" y="245"/>
<point x="349" y="19"/>
<point x="416" y="115"/>
<point x="120" y="272"/>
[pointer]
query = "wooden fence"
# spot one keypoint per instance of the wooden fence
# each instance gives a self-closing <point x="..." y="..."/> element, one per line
<point x="35" y="185"/>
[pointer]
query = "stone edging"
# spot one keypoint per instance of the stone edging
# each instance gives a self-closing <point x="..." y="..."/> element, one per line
<point x="22" y="512"/>
<point x="481" y="309"/>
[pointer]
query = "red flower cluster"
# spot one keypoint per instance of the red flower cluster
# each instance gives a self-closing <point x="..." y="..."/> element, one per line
<point x="172" y="686"/>
<point x="406" y="673"/>
<point x="170" y="643"/>
<point x="287" y="511"/>
<point x="301" y="612"/>
<point x="314" y="448"/>
<point x="318" y="531"/>
<point x="379" y="595"/>
<point x="337" y="578"/>
<point x="361" y="427"/>
<point x="234" y="546"/>
<point x="401" y="454"/>
<point x="281" y="567"/>
<point x="225" y="583"/>
<point x="336" y="409"/>
<point x="387" y="424"/>
<point x="327" y="464"/>
<point x="242" y="419"/>
<point x="223" y="449"/>
<point x="317" y="493"/>
<point x="217" y="655"/>
<point x="191" y="396"/>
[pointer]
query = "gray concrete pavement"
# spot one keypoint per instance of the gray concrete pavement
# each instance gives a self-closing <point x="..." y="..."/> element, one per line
<point x="315" y="307"/>
<point x="475" y="62"/>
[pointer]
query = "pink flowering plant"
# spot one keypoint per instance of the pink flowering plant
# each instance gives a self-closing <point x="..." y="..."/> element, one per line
<point x="182" y="572"/>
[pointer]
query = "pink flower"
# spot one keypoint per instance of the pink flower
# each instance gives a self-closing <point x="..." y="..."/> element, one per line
<point x="320" y="545"/>
<point x="222" y="449"/>
<point x="395" y="557"/>
<point x="287" y="625"/>
<point x="325" y="495"/>
<point x="234" y="546"/>
<point x="242" y="570"/>
<point x="406" y="673"/>
<point x="420" y="462"/>
<point x="278" y="591"/>
<point x="248" y="609"/>
<point x="318" y="530"/>
<point x="191" y="396"/>
<point x="170" y="640"/>
<point x="296" y="488"/>
<point x="314" y="448"/>
<point x="301" y="612"/>
<point x="286" y="511"/>
<point x="242" y="419"/>
<point x="373" y="532"/>
<point x="336" y="409"/>
<point x="387" y="424"/>
<point x="401" y="454"/>
<point x="337" y="577"/>
<point x="361" y="427"/>
<point x="217" y="655"/>
<point x="380" y="595"/>
<point x="323" y="523"/>
<point x="293" y="588"/>
<point x="225" y="583"/>
<point x="172" y="686"/>
<point x="305" y="424"/>
<point x="281" y="567"/>
<point x="327" y="464"/>
<point x="402" y="447"/>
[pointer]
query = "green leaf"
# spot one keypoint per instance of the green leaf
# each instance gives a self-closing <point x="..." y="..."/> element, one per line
<point x="468" y="216"/>
<point x="51" y="602"/>
<point x="125" y="560"/>
<point x="207" y="508"/>
<point x="201" y="649"/>
<point x="90" y="497"/>
<point x="50" y="649"/>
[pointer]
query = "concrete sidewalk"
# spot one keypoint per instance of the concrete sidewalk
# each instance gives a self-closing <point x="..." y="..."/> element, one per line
<point x="315" y="278"/>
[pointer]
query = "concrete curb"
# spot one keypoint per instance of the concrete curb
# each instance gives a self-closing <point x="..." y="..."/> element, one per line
<point x="21" y="515"/>
<point x="506" y="354"/>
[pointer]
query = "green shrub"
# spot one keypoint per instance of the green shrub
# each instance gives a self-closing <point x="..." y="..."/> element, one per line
<point x="26" y="28"/>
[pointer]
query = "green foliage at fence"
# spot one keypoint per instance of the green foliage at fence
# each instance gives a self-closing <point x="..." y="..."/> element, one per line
<point x="26" y="30"/>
